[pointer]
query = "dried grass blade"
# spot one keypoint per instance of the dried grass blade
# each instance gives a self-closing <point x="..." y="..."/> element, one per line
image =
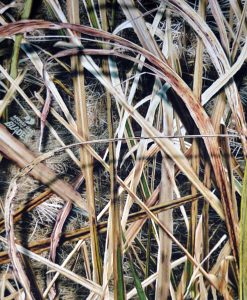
<point x="224" y="79"/>
<point x="41" y="68"/>
<point x="242" y="26"/>
<point x="218" y="244"/>
<point x="210" y="278"/>
<point x="223" y="274"/>
<point x="139" y="164"/>
<point x="197" y="89"/>
<point x="85" y="156"/>
<point x="13" y="253"/>
<point x="113" y="67"/>
<point x="76" y="248"/>
<point x="55" y="238"/>
<point x="219" y="59"/>
<point x="165" y="246"/>
<point x="226" y="153"/>
<point x="115" y="238"/>
<point x="139" y="25"/>
<point x="19" y="213"/>
<point x="7" y="99"/>
<point x="222" y="65"/>
<point x="92" y="286"/>
<point x="219" y="17"/>
<point x="243" y="240"/>
<point x="16" y="151"/>
<point x="216" y="120"/>
<point x="28" y="207"/>
<point x="166" y="190"/>
<point x="224" y="252"/>
<point x="236" y="8"/>
<point x="5" y="7"/>
<point x="84" y="232"/>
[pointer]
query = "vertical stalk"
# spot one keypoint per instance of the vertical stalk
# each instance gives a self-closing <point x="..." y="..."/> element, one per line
<point x="243" y="240"/>
<point x="166" y="192"/>
<point x="197" y="89"/>
<point x="216" y="117"/>
<point x="16" y="49"/>
<point x="85" y="157"/>
<point x="116" y="236"/>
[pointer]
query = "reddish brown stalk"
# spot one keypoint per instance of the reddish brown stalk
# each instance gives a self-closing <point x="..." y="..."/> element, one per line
<point x="138" y="218"/>
<point x="47" y="194"/>
<point x="56" y="235"/>
<point x="13" y="253"/>
<point x="31" y="204"/>
<point x="28" y="207"/>
<point x="55" y="238"/>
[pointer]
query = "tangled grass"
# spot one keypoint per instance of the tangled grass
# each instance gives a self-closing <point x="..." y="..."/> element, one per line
<point x="123" y="146"/>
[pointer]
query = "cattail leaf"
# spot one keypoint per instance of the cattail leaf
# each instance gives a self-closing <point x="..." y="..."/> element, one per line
<point x="137" y="281"/>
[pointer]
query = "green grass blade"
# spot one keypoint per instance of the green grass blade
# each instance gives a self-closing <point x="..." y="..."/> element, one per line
<point x="137" y="281"/>
<point x="120" y="283"/>
<point x="92" y="15"/>
<point x="15" y="56"/>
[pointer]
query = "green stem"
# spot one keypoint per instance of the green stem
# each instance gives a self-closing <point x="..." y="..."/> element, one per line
<point x="16" y="50"/>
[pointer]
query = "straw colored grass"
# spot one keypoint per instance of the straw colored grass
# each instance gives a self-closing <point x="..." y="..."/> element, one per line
<point x="140" y="152"/>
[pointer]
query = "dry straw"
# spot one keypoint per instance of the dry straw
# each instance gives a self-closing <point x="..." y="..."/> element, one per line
<point x="160" y="212"/>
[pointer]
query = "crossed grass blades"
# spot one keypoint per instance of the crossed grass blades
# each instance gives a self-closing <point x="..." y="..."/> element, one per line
<point x="132" y="185"/>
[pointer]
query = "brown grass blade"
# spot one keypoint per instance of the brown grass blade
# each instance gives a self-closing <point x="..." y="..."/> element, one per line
<point x="197" y="113"/>
<point x="138" y="218"/>
<point x="115" y="233"/>
<point x="7" y="99"/>
<point x="217" y="55"/>
<point x="92" y="286"/>
<point x="55" y="238"/>
<point x="219" y="59"/>
<point x="139" y="25"/>
<point x="241" y="27"/>
<point x="197" y="89"/>
<point x="219" y="18"/>
<point x="85" y="156"/>
<point x="224" y="79"/>
<point x="17" y="152"/>
<point x="42" y="197"/>
<point x="13" y="253"/>
<point x="181" y="88"/>
<point x="54" y="278"/>
<point x="166" y="188"/>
